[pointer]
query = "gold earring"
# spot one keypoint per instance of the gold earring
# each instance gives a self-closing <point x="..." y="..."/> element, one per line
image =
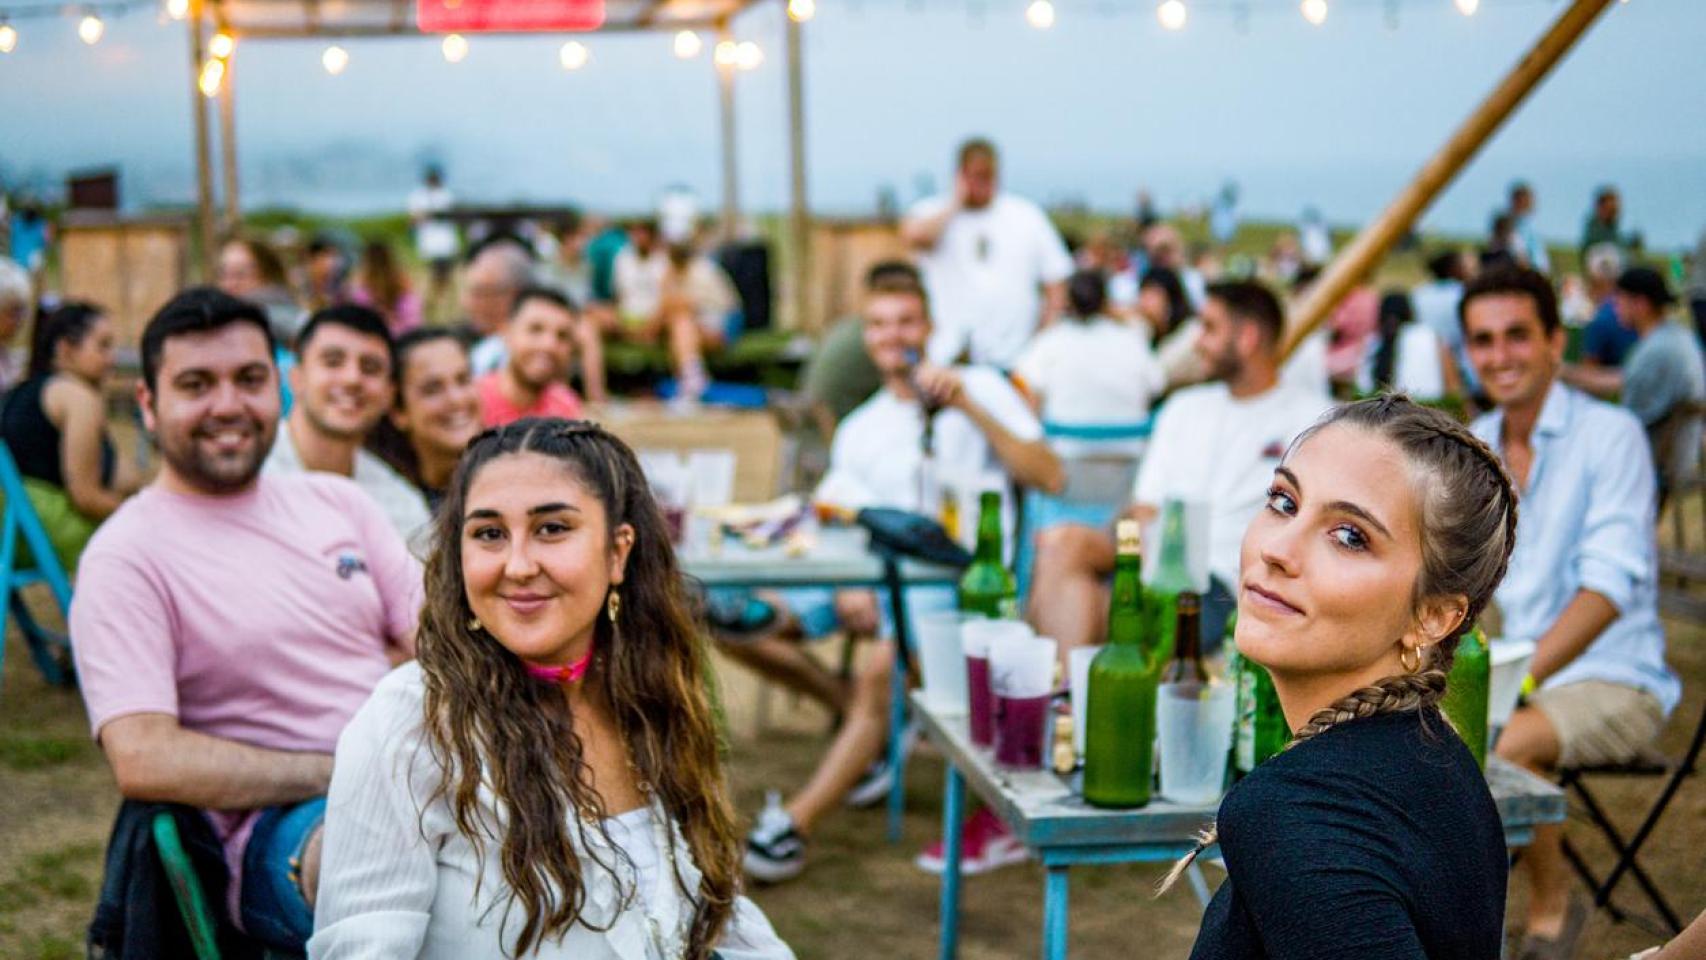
<point x="613" y="605"/>
<point x="1414" y="652"/>
<point x="474" y="625"/>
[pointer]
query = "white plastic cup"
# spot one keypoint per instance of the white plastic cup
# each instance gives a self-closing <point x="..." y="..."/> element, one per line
<point x="942" y="661"/>
<point x="1193" y="725"/>
<point x="1078" y="674"/>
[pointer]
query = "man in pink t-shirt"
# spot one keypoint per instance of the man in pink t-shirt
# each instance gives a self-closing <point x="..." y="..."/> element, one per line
<point x="229" y="624"/>
<point x="539" y="342"/>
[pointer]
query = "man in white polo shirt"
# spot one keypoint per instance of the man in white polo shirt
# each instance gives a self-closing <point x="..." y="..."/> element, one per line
<point x="995" y="267"/>
<point x="980" y="423"/>
<point x="1217" y="442"/>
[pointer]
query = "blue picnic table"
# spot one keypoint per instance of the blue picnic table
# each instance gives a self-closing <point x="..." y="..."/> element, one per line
<point x="1046" y="814"/>
<point x="842" y="557"/>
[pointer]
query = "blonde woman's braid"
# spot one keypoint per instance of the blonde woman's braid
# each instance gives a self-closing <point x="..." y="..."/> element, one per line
<point x="1411" y="691"/>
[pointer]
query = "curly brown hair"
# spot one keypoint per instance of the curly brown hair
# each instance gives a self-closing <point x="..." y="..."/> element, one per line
<point x="1469" y="513"/>
<point x="487" y="721"/>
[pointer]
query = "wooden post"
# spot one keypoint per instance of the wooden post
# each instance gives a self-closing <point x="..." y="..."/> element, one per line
<point x="1357" y="260"/>
<point x="726" y="110"/>
<point x="203" y="149"/>
<point x="799" y="218"/>
<point x="228" y="144"/>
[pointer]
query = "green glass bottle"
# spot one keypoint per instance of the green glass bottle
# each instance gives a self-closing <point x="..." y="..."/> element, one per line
<point x="1466" y="691"/>
<point x="987" y="587"/>
<point x="1172" y="576"/>
<point x="1261" y="731"/>
<point x="1119" y="734"/>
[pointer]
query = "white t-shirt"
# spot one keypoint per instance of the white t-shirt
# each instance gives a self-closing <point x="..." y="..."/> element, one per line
<point x="1306" y="368"/>
<point x="404" y="506"/>
<point x="1211" y="447"/>
<point x="435" y="236"/>
<point x="985" y="276"/>
<point x="1416" y="370"/>
<point x="876" y="458"/>
<point x="1099" y="371"/>
<point x="639" y="282"/>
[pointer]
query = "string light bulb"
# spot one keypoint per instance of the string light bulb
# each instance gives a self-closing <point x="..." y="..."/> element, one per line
<point x="335" y="59"/>
<point x="455" y="47"/>
<point x="91" y="28"/>
<point x="574" y="55"/>
<point x="1315" y="11"/>
<point x="221" y="45"/>
<point x="177" y="9"/>
<point x="1468" y="7"/>
<point x="688" y="45"/>
<point x="1040" y="14"/>
<point x="748" y="56"/>
<point x="800" y="11"/>
<point x="726" y="53"/>
<point x="8" y="38"/>
<point x="212" y="75"/>
<point x="1172" y="14"/>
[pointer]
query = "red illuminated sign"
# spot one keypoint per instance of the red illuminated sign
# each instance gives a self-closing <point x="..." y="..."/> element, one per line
<point x="519" y="16"/>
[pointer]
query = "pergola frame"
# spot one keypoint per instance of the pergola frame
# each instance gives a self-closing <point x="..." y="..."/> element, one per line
<point x="249" y="20"/>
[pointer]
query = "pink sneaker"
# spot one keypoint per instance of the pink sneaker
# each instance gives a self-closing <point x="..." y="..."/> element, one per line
<point x="985" y="844"/>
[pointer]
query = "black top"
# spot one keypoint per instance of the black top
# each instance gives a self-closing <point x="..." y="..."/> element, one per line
<point x="1376" y="840"/>
<point x="34" y="440"/>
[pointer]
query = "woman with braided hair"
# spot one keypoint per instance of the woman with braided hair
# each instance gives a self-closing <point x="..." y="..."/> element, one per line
<point x="545" y="780"/>
<point x="1373" y="835"/>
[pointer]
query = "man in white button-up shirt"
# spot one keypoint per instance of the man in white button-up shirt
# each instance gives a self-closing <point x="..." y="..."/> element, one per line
<point x="1581" y="582"/>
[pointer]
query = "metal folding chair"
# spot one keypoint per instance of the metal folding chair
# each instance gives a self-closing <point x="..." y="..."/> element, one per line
<point x="1672" y="771"/>
<point x="51" y="650"/>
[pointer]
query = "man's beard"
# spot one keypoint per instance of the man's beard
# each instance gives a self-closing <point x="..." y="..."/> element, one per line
<point x="1224" y="367"/>
<point x="214" y="474"/>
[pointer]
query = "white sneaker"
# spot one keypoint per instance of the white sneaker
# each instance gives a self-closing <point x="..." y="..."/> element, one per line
<point x="775" y="851"/>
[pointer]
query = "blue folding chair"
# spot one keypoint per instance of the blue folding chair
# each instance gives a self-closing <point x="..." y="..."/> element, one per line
<point x="1101" y="463"/>
<point x="50" y="649"/>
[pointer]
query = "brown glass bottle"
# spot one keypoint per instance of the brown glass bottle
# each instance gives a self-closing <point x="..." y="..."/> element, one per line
<point x="1186" y="665"/>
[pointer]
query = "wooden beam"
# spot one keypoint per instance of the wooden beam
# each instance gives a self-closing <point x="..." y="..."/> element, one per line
<point x="1359" y="259"/>
<point x="228" y="140"/>
<point x="799" y="214"/>
<point x="726" y="112"/>
<point x="203" y="149"/>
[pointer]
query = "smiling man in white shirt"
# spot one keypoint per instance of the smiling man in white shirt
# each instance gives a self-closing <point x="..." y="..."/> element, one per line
<point x="1582" y="581"/>
<point x="995" y="266"/>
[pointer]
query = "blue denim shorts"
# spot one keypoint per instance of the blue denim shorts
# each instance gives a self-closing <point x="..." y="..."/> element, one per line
<point x="271" y="901"/>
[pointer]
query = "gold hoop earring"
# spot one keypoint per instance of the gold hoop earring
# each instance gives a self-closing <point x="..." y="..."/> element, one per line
<point x="613" y="605"/>
<point x="474" y="625"/>
<point x="1414" y="652"/>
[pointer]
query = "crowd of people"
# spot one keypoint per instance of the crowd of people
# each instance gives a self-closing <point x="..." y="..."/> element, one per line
<point x="467" y="716"/>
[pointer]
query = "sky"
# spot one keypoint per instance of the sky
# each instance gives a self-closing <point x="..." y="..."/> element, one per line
<point x="1337" y="116"/>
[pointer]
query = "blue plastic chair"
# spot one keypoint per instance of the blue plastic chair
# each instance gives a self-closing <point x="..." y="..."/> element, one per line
<point x="1099" y="475"/>
<point x="50" y="650"/>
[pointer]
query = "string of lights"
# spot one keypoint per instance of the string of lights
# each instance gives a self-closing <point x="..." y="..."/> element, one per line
<point x="1174" y="15"/>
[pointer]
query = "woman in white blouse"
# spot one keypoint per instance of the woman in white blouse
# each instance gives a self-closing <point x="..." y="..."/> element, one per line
<point x="545" y="780"/>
